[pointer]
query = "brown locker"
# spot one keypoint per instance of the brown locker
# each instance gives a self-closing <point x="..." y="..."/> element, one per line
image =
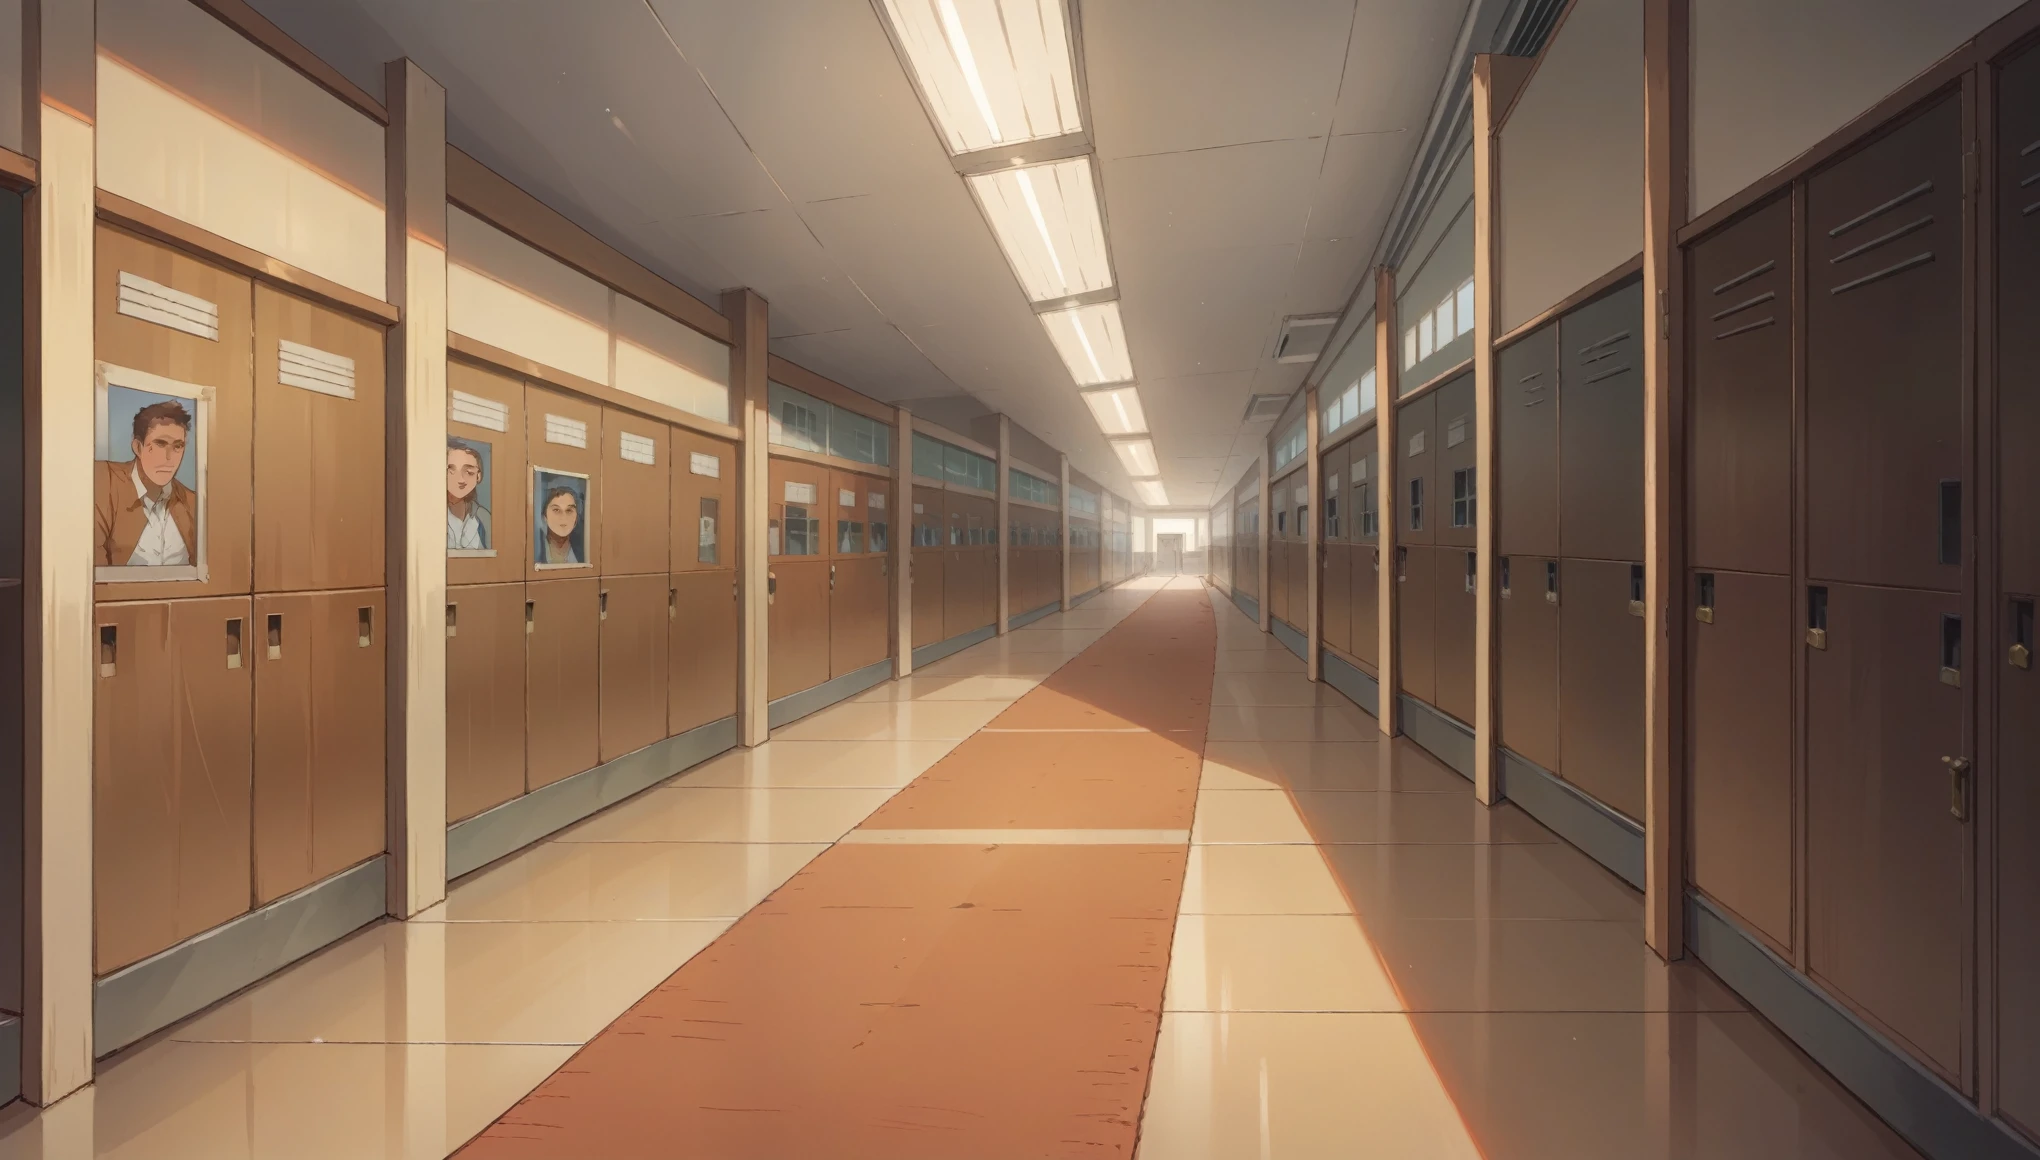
<point x="1335" y="571"/>
<point x="1526" y="445"/>
<point x="704" y="503"/>
<point x="140" y="327"/>
<point x="1741" y="730"/>
<point x="1888" y="891"/>
<point x="1884" y="340"/>
<point x="484" y="697"/>
<point x="1600" y="428"/>
<point x="563" y="445"/>
<point x="170" y="815"/>
<point x="489" y="466"/>
<point x="319" y="753"/>
<point x="1278" y="555"/>
<point x="1742" y="394"/>
<point x="1417" y="502"/>
<point x="318" y="447"/>
<point x="1416" y="624"/>
<point x="797" y="636"/>
<point x="1456" y="480"/>
<point x="633" y="613"/>
<point x="1600" y="683"/>
<point x="1452" y="638"/>
<point x="635" y="521"/>
<point x="859" y="589"/>
<point x="930" y="551"/>
<point x="1527" y="604"/>
<point x="1336" y="589"/>
<point x="1366" y="604"/>
<point x="562" y="673"/>
<point x="2018" y="868"/>
<point x="702" y="647"/>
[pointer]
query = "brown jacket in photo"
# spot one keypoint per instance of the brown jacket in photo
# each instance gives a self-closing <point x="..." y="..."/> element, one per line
<point x="121" y="520"/>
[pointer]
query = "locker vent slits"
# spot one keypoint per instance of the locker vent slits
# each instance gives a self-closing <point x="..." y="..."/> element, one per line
<point x="1917" y="191"/>
<point x="476" y="411"/>
<point x="157" y="303"/>
<point x="2029" y="150"/>
<point x="1745" y="276"/>
<point x="1745" y="328"/>
<point x="1455" y="432"/>
<point x="637" y="449"/>
<point x="298" y="365"/>
<point x="708" y="465"/>
<point x="566" y="432"/>
<point x="1873" y="243"/>
<point x="1888" y="271"/>
<point x="1610" y="373"/>
<point x="1605" y="348"/>
<point x="2032" y="180"/>
<point x="2030" y="210"/>
<point x="1747" y="303"/>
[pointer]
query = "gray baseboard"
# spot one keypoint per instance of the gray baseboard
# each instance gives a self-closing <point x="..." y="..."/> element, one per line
<point x="794" y="706"/>
<point x="1248" y="605"/>
<point x="517" y="823"/>
<point x="1359" y="688"/>
<point x="168" y="986"/>
<point x="1602" y="834"/>
<point x="928" y="654"/>
<point x="1291" y="639"/>
<point x="1080" y="597"/>
<point x="1027" y="618"/>
<point x="1447" y="739"/>
<point x="10" y="1057"/>
<point x="1918" y="1105"/>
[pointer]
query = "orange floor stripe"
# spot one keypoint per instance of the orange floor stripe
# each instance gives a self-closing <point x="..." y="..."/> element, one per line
<point x="931" y="1001"/>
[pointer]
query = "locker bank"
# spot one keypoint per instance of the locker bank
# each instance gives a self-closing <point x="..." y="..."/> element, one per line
<point x="1427" y="578"/>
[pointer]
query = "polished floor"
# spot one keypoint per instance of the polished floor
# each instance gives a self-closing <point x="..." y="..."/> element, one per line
<point x="1362" y="961"/>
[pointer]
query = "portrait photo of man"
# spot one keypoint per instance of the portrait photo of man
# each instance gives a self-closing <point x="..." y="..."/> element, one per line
<point x="468" y="519"/>
<point x="147" y="512"/>
<point x="560" y="500"/>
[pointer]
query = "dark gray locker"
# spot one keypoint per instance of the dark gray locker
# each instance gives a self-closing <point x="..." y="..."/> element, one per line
<point x="1452" y="636"/>
<point x="1366" y="605"/>
<point x="1526" y="445"/>
<point x="1457" y="478"/>
<point x="1600" y="683"/>
<point x="1741" y="736"/>
<point x="1416" y="624"/>
<point x="1416" y="503"/>
<point x="1600" y="428"/>
<point x="2018" y="304"/>
<point x="1888" y="894"/>
<point x="1741" y="451"/>
<point x="1884" y="334"/>
<point x="2018" y="868"/>
<point x="1526" y="648"/>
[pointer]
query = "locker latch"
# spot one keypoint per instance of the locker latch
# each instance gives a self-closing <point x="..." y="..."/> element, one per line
<point x="1503" y="565"/>
<point x="1551" y="582"/>
<point x="1636" y="604"/>
<point x="364" y="627"/>
<point x="602" y="605"/>
<point x="771" y="586"/>
<point x="672" y="604"/>
<point x="2020" y="655"/>
<point x="832" y="577"/>
<point x="452" y="620"/>
<point x="234" y="642"/>
<point x="109" y="648"/>
<point x="1703" y="607"/>
<point x="1951" y="651"/>
<point x="275" y="627"/>
<point x="1958" y="786"/>
<point x="1816" y="617"/>
<point x="530" y="617"/>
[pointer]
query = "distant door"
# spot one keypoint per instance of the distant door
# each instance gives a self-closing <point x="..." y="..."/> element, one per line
<point x="1169" y="554"/>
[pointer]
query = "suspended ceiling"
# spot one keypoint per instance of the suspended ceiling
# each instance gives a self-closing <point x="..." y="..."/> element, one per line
<point x="1251" y="154"/>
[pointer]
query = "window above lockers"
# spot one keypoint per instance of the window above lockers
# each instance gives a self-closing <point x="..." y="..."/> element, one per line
<point x="1033" y="489"/>
<point x="803" y="422"/>
<point x="1083" y="503"/>
<point x="1434" y="285"/>
<point x="199" y="123"/>
<point x="1290" y="445"/>
<point x="1347" y="394"/>
<point x="934" y="459"/>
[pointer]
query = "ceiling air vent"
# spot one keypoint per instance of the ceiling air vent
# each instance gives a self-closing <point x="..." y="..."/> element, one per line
<point x="1303" y="337"/>
<point x="1266" y="408"/>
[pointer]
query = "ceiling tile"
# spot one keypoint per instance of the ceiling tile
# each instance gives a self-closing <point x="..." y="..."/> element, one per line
<point x="1242" y="195"/>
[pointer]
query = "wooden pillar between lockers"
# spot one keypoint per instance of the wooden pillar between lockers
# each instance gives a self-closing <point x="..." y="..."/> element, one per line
<point x="1388" y="602"/>
<point x="1063" y="463"/>
<point x="749" y="319"/>
<point x="901" y="546"/>
<point x="1486" y="752"/>
<point x="1005" y="525"/>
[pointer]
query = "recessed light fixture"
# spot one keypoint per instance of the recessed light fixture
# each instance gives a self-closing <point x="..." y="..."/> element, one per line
<point x="1046" y="219"/>
<point x="1151" y="492"/>
<point x="993" y="72"/>
<point x="1091" y="342"/>
<point x="1137" y="456"/>
<point x="1117" y="410"/>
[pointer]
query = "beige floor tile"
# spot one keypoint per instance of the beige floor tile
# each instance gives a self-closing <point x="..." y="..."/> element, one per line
<point x="1273" y="689"/>
<point x="1308" y="1087"/>
<point x="1275" y="962"/>
<point x="1244" y="816"/>
<point x="882" y="721"/>
<point x="726" y="814"/>
<point x="1549" y="965"/>
<point x="819" y="765"/>
<point x="460" y="982"/>
<point x="624" y="882"/>
<point x="1259" y="880"/>
<point x="1505" y="882"/>
<point x="1239" y="661"/>
<point x="1288" y="723"/>
<point x="1372" y="764"/>
<point x="940" y="687"/>
<point x="1069" y="641"/>
<point x="1342" y="817"/>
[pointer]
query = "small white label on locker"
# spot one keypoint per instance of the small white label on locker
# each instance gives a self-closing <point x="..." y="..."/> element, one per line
<point x="154" y="302"/>
<point x="637" y="448"/>
<point x="846" y="497"/>
<point x="1359" y="471"/>
<point x="477" y="411"/>
<point x="877" y="501"/>
<point x="1417" y="443"/>
<point x="1332" y="485"/>
<point x="800" y="492"/>
<point x="1455" y="433"/>
<point x="918" y="509"/>
<point x="566" y="432"/>
<point x="1302" y="495"/>
<point x="298" y="365"/>
<point x="708" y="465"/>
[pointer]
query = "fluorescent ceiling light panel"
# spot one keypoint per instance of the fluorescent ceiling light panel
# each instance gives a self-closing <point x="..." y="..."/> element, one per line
<point x="1137" y="456"/>
<point x="1046" y="218"/>
<point x="994" y="72"/>
<point x="1151" y="492"/>
<point x="1117" y="410"/>
<point x="1091" y="342"/>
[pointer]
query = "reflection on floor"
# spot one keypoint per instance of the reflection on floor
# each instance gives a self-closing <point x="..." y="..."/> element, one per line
<point x="1364" y="963"/>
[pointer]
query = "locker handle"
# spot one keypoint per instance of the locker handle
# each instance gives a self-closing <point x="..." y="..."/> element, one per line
<point x="530" y="616"/>
<point x="1551" y="582"/>
<point x="109" y="649"/>
<point x="672" y="604"/>
<point x="364" y="627"/>
<point x="1472" y="570"/>
<point x="1703" y="606"/>
<point x="452" y="619"/>
<point x="771" y="586"/>
<point x="602" y="605"/>
<point x="832" y="577"/>
<point x="1816" y="616"/>
<point x="2020" y="655"/>
<point x="1402" y="565"/>
<point x="1951" y="650"/>
<point x="275" y="627"/>
<point x="1958" y="786"/>
<point x="233" y="643"/>
<point x="1636" y="604"/>
<point x="1503" y="563"/>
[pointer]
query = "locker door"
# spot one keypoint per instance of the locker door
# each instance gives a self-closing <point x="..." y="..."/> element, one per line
<point x="931" y="537"/>
<point x="1526" y="627"/>
<point x="1366" y="589"/>
<point x="1600" y="428"/>
<point x="484" y="697"/>
<point x="637" y="486"/>
<point x="858" y="598"/>
<point x="702" y="646"/>
<point x="563" y="443"/>
<point x="704" y="503"/>
<point x="221" y="359"/>
<point x="1888" y="892"/>
<point x="1453" y="637"/>
<point x="318" y="447"/>
<point x="171" y="773"/>
<point x="1600" y="683"/>
<point x="1417" y="503"/>
<point x="1526" y="445"/>
<point x="1741" y="828"/>
<point x="1416" y="627"/>
<point x="1456" y="477"/>
<point x="1301" y="512"/>
<point x="2018" y="866"/>
<point x="632" y="611"/>
<point x="1278" y="554"/>
<point x="562" y="679"/>
<point x="1884" y="333"/>
<point x="797" y="609"/>
<point x="1742" y="394"/>
<point x="1336" y="580"/>
<point x="319" y="755"/>
<point x="486" y="423"/>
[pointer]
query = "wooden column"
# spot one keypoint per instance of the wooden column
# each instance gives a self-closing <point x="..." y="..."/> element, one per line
<point x="901" y="547"/>
<point x="1666" y="126"/>
<point x="1267" y="517"/>
<point x="59" y="70"/>
<point x="1063" y="462"/>
<point x="1005" y="527"/>
<point x="1486" y="754"/>
<point x="747" y="313"/>
<point x="415" y="559"/>
<point x="1313" y="538"/>
<point x="1388" y="379"/>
